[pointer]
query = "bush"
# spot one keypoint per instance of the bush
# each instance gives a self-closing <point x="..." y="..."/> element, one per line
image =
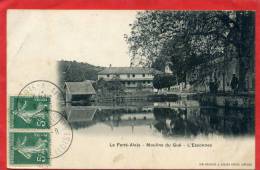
<point x="164" y="81"/>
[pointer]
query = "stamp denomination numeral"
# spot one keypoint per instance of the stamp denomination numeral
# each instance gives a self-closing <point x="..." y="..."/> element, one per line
<point x="29" y="112"/>
<point x="29" y="147"/>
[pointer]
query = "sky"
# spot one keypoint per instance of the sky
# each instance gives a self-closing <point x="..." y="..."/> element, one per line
<point x="95" y="37"/>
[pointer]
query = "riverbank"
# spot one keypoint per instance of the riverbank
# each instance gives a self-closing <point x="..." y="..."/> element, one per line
<point x="135" y="97"/>
<point x="240" y="100"/>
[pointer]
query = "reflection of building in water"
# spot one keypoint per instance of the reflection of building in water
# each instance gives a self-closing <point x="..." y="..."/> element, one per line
<point x="177" y="104"/>
<point x="131" y="77"/>
<point x="131" y="120"/>
<point x="137" y="116"/>
<point x="134" y="119"/>
<point x="84" y="116"/>
<point x="79" y="93"/>
<point x="81" y="113"/>
<point x="190" y="107"/>
<point x="184" y="118"/>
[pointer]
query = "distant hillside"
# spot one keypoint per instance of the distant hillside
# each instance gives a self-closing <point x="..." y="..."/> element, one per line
<point x="72" y="71"/>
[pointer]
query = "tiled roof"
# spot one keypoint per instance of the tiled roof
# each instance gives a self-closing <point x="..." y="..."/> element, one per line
<point x="128" y="70"/>
<point x="81" y="113"/>
<point x="84" y="87"/>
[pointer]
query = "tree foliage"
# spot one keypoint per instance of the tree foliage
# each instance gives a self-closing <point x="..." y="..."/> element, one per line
<point x="193" y="39"/>
<point x="114" y="86"/>
<point x="72" y="71"/>
<point x="163" y="81"/>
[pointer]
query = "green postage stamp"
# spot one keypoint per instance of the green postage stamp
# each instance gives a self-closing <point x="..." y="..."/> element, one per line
<point x="29" y="147"/>
<point x="29" y="112"/>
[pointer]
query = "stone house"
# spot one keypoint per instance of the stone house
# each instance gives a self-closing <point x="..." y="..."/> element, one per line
<point x="131" y="77"/>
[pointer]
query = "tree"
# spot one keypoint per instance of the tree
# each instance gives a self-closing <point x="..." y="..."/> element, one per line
<point x="149" y="32"/>
<point x="242" y="36"/>
<point x="114" y="86"/>
<point x="163" y="81"/>
<point x="72" y="71"/>
<point x="189" y="39"/>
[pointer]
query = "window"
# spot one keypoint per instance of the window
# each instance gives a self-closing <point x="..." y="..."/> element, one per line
<point x="108" y="75"/>
<point x="133" y="75"/>
<point x="128" y="82"/>
<point x="128" y="75"/>
<point x="143" y="75"/>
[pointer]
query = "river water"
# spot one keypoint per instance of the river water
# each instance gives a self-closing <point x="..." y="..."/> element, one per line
<point x="181" y="118"/>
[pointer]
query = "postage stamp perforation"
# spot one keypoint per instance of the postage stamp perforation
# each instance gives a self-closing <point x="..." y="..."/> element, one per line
<point x="29" y="133"/>
<point x="34" y="104"/>
<point x="11" y="155"/>
<point x="29" y="148"/>
<point x="30" y="112"/>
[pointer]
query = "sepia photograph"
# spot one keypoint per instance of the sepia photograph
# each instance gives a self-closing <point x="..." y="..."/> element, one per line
<point x="182" y="74"/>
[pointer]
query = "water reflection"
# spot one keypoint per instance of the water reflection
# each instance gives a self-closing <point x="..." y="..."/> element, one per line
<point x="183" y="118"/>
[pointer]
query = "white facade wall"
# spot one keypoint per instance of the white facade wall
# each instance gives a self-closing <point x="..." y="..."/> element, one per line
<point x="102" y="76"/>
<point x="130" y="81"/>
<point x="167" y="69"/>
<point x="127" y="76"/>
<point x="139" y="116"/>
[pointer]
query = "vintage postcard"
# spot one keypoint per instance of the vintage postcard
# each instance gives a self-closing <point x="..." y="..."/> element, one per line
<point x="130" y="89"/>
